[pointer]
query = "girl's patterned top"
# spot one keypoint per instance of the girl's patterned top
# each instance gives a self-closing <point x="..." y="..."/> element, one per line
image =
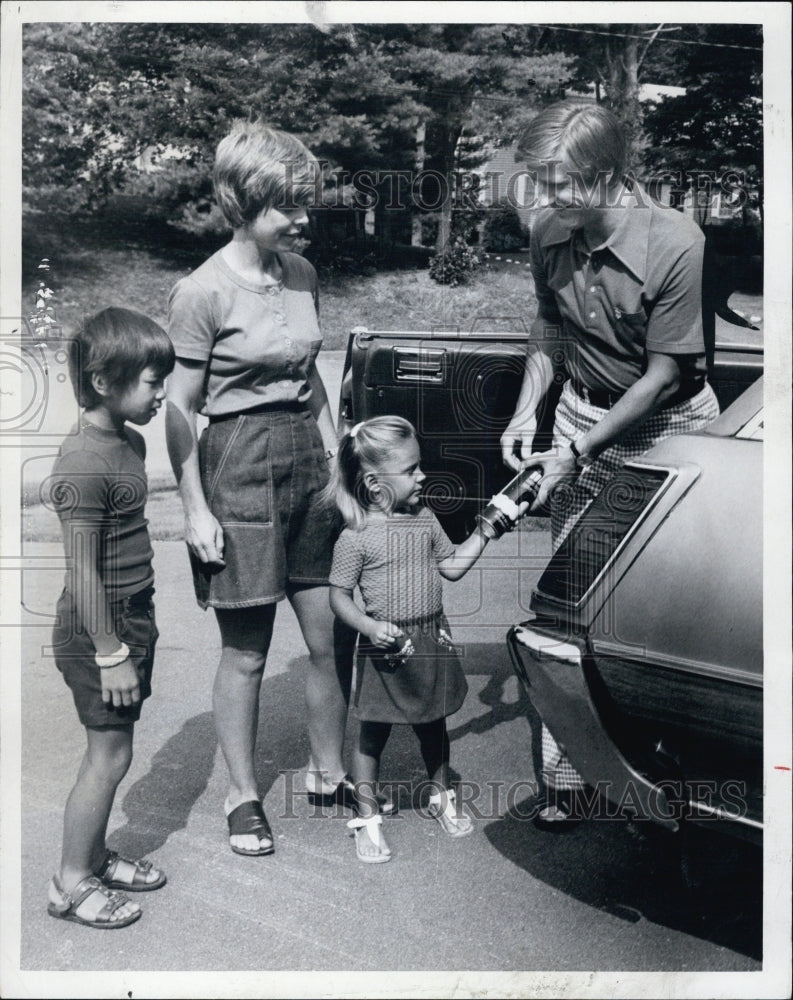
<point x="393" y="560"/>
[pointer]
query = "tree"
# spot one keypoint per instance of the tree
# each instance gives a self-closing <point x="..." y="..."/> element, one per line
<point x="616" y="59"/>
<point x="714" y="132"/>
<point x="101" y="98"/>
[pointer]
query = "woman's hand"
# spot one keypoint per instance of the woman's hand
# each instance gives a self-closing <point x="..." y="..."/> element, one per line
<point x="204" y="535"/>
<point x="383" y="634"/>
<point x="120" y="684"/>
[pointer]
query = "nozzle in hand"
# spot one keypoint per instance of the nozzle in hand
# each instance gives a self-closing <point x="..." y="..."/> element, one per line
<point x="502" y="512"/>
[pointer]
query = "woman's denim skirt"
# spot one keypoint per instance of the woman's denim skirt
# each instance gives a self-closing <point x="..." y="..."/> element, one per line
<point x="262" y="473"/>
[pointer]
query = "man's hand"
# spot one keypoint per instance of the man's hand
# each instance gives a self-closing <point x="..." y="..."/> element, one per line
<point x="557" y="468"/>
<point x="120" y="684"/>
<point x="516" y="442"/>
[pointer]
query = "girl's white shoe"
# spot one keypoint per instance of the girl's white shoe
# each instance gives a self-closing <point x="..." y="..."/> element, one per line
<point x="370" y="826"/>
<point x="452" y="823"/>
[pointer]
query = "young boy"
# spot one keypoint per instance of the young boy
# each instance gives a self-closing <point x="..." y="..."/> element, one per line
<point x="105" y="632"/>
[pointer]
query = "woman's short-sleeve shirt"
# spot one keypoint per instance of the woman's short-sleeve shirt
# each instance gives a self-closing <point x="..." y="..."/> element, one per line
<point x="259" y="341"/>
<point x="393" y="560"/>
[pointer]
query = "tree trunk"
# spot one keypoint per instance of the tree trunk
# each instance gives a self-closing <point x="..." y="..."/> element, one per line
<point x="421" y="134"/>
<point x="622" y="59"/>
<point x="448" y="149"/>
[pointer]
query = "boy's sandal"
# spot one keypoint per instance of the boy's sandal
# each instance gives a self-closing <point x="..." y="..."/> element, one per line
<point x="371" y="824"/>
<point x="452" y="823"/>
<point x="69" y="902"/>
<point x="248" y="819"/>
<point x="131" y="876"/>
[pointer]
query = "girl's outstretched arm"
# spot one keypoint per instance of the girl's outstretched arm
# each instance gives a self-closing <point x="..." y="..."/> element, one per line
<point x="381" y="634"/>
<point x="467" y="552"/>
<point x="465" y="555"/>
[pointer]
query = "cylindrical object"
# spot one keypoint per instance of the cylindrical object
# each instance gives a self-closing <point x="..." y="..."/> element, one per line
<point x="493" y="521"/>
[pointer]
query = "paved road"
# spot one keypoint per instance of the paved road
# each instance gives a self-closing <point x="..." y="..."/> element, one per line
<point x="508" y="898"/>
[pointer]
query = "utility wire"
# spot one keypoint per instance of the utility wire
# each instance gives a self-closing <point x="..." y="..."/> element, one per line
<point x="674" y="41"/>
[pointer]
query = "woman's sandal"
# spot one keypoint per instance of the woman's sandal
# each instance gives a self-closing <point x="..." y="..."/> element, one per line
<point x="452" y="823"/>
<point x="248" y="819"/>
<point x="344" y="795"/>
<point x="370" y="824"/>
<point x="131" y="876"/>
<point x="65" y="908"/>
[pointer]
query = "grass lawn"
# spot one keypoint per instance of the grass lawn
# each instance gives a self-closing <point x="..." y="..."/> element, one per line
<point x="92" y="268"/>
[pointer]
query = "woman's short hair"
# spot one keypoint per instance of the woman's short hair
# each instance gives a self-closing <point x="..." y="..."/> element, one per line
<point x="588" y="137"/>
<point x="257" y="167"/>
<point x="116" y="344"/>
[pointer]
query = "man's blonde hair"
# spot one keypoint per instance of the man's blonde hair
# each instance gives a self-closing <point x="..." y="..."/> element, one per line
<point x="587" y="137"/>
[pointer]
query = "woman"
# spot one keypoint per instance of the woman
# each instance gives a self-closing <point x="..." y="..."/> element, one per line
<point x="245" y="330"/>
<point x="618" y="280"/>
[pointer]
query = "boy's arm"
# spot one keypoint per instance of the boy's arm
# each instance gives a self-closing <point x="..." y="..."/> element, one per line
<point x="382" y="634"/>
<point x="120" y="684"/>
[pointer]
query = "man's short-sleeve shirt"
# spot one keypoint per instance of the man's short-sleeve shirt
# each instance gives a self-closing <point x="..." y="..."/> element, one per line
<point x="259" y="341"/>
<point x="601" y="310"/>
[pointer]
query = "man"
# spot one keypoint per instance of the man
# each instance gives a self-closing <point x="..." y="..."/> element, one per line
<point x="618" y="280"/>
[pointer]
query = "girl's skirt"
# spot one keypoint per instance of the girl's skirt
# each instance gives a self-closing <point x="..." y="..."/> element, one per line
<point x="417" y="681"/>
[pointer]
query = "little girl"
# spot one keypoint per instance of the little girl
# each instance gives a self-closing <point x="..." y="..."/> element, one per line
<point x="407" y="670"/>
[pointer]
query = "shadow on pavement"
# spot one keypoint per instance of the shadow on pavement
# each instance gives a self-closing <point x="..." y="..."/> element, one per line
<point x="479" y="659"/>
<point x="634" y="872"/>
<point x="159" y="803"/>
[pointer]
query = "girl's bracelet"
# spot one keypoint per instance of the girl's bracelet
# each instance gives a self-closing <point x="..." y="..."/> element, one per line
<point x="112" y="659"/>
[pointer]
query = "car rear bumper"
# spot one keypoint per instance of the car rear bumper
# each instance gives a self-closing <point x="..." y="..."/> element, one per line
<point x="554" y="676"/>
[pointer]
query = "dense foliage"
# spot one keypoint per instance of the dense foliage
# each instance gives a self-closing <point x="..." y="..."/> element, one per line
<point x="120" y="120"/>
<point x="139" y="108"/>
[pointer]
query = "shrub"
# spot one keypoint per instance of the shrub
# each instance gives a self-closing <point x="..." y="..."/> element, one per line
<point x="455" y="262"/>
<point x="503" y="229"/>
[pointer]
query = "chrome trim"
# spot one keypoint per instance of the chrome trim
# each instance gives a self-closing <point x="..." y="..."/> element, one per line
<point x="719" y="812"/>
<point x="504" y="336"/>
<point x="746" y="677"/>
<point x="686" y="472"/>
<point x="541" y="644"/>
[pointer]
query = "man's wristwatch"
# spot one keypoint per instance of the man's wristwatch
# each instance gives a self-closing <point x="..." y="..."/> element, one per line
<point x="581" y="461"/>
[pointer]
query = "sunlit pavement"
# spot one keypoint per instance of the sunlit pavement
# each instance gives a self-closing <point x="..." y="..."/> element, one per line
<point x="506" y="898"/>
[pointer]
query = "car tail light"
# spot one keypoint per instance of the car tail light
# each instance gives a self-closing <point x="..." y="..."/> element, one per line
<point x="595" y="537"/>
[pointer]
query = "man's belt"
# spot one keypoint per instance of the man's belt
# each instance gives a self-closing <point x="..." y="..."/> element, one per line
<point x="605" y="399"/>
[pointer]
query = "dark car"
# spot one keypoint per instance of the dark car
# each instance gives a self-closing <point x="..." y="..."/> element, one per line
<point x="644" y="657"/>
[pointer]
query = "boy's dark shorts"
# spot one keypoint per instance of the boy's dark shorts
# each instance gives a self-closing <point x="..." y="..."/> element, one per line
<point x="134" y="623"/>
